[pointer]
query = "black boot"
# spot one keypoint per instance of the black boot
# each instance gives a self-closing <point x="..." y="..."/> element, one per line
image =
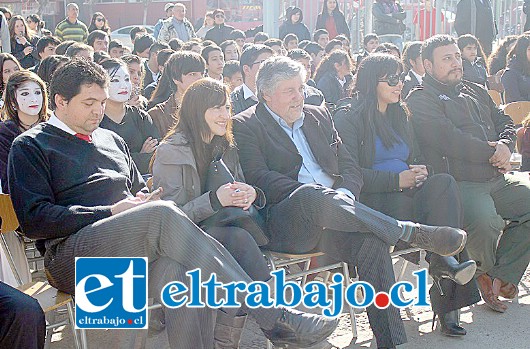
<point x="228" y="330"/>
<point x="450" y="324"/>
<point x="445" y="241"/>
<point x="449" y="268"/>
<point x="300" y="330"/>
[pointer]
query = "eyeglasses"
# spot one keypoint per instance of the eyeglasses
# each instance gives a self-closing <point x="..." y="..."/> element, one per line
<point x="259" y="62"/>
<point x="392" y="80"/>
<point x="99" y="19"/>
<point x="219" y="16"/>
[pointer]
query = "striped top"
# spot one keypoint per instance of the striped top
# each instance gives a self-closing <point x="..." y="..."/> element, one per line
<point x="77" y="31"/>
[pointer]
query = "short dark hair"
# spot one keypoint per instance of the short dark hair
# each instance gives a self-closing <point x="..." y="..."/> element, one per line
<point x="101" y="56"/>
<point x="432" y="43"/>
<point x="115" y="43"/>
<point x="297" y="54"/>
<point x="332" y="44"/>
<point x="302" y="44"/>
<point x="143" y="43"/>
<point x="63" y="46"/>
<point x="163" y="56"/>
<point x="386" y="47"/>
<point x="368" y="37"/>
<point x="231" y="68"/>
<point x="237" y="34"/>
<point x="313" y="48"/>
<point x="67" y="81"/>
<point x="319" y="32"/>
<point x="77" y="47"/>
<point x="261" y="36"/>
<point x="205" y="52"/>
<point x="136" y="30"/>
<point x="411" y="52"/>
<point x="49" y="65"/>
<point x="46" y="41"/>
<point x="273" y="42"/>
<point x="96" y="35"/>
<point x="289" y="37"/>
<point x="157" y="46"/>
<point x="175" y="44"/>
<point x="251" y="53"/>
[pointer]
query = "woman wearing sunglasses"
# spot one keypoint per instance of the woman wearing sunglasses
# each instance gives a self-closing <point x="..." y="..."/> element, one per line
<point x="99" y="22"/>
<point x="376" y="131"/>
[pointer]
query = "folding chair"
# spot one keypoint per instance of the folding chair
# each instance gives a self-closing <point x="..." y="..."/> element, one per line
<point x="517" y="111"/>
<point x="282" y="260"/>
<point x="496" y="96"/>
<point x="49" y="298"/>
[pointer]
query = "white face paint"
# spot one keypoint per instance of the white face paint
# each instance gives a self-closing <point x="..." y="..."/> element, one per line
<point x="29" y="98"/>
<point x="120" y="86"/>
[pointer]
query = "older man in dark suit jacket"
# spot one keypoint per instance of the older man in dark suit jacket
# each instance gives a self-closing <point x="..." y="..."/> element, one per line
<point x="293" y="153"/>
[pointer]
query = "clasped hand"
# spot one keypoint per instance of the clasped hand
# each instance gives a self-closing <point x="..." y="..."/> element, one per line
<point x="236" y="194"/>
<point x="413" y="177"/>
<point x="501" y="157"/>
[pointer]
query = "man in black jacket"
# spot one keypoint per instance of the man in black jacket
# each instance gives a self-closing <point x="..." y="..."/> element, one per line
<point x="220" y="31"/>
<point x="462" y="132"/>
<point x="293" y="153"/>
<point x="75" y="187"/>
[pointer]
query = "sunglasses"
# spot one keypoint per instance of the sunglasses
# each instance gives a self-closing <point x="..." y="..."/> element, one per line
<point x="219" y="16"/>
<point x="99" y="19"/>
<point x="392" y="80"/>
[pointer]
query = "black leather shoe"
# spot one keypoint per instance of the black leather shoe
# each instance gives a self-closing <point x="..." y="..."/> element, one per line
<point x="449" y="268"/>
<point x="445" y="241"/>
<point x="300" y="330"/>
<point x="449" y="324"/>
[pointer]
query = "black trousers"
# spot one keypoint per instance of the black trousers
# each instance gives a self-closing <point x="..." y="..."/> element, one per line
<point x="243" y="248"/>
<point x="436" y="202"/>
<point x="22" y="323"/>
<point x="346" y="230"/>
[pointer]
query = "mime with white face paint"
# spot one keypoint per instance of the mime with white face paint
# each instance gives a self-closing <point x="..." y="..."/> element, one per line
<point x="134" y="125"/>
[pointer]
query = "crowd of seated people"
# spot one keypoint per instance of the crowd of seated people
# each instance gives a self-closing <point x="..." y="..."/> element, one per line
<point x="348" y="153"/>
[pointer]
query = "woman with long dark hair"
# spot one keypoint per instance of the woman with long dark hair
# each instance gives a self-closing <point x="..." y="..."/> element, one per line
<point x="35" y="24"/>
<point x="22" y="42"/>
<point x="99" y="22"/>
<point x="133" y="124"/>
<point x="332" y="19"/>
<point x="25" y="106"/>
<point x="497" y="60"/>
<point x="516" y="77"/>
<point x="8" y="66"/>
<point x="376" y="131"/>
<point x="203" y="133"/>
<point x="333" y="76"/>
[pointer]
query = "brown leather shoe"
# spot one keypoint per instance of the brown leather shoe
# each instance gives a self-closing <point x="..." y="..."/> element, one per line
<point x="504" y="289"/>
<point x="485" y="285"/>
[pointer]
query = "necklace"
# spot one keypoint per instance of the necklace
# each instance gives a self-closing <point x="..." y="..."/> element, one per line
<point x="27" y="127"/>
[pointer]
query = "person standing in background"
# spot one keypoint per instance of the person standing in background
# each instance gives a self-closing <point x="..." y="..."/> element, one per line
<point x="332" y="19"/>
<point x="5" y="41"/>
<point x="476" y="17"/>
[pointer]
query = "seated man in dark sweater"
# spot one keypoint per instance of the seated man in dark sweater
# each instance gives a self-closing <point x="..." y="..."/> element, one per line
<point x="75" y="187"/>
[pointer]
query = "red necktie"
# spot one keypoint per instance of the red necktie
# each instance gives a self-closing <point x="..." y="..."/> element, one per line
<point x="86" y="138"/>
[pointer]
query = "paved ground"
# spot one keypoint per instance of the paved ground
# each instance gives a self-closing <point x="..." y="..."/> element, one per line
<point x="486" y="329"/>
